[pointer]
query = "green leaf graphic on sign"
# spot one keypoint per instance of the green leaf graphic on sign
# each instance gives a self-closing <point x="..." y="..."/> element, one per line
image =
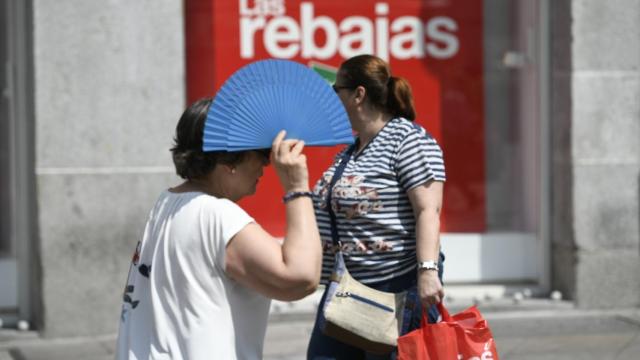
<point x="327" y="72"/>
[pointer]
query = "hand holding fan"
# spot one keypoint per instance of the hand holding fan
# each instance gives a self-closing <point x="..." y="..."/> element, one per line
<point x="267" y="96"/>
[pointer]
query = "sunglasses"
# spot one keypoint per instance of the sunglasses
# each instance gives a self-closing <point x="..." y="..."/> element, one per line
<point x="337" y="88"/>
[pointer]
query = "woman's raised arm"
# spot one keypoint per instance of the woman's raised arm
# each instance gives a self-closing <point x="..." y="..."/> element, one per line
<point x="291" y="270"/>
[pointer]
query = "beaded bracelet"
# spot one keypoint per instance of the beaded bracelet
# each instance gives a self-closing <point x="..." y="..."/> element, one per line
<point x="295" y="194"/>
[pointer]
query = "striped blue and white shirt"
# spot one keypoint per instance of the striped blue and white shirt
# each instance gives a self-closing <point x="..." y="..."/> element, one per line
<point x="374" y="217"/>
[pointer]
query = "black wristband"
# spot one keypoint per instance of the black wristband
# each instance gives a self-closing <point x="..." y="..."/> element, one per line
<point x="295" y="194"/>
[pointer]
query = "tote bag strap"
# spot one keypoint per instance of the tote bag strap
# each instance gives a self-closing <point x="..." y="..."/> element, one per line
<point x="336" y="176"/>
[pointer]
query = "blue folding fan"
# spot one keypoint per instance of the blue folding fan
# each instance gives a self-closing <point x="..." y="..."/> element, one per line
<point x="267" y="96"/>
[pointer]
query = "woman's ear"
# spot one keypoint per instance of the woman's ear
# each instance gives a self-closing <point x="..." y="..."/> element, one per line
<point x="360" y="93"/>
<point x="230" y="169"/>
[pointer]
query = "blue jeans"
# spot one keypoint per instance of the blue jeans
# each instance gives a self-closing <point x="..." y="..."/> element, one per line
<point x="322" y="347"/>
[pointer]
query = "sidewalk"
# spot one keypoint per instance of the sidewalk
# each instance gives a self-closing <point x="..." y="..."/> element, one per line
<point x="530" y="329"/>
<point x="533" y="329"/>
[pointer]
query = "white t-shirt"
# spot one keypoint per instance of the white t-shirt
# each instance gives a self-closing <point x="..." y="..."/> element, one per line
<point x="178" y="302"/>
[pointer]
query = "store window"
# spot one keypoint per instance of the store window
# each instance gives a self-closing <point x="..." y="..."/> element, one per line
<point x="473" y="67"/>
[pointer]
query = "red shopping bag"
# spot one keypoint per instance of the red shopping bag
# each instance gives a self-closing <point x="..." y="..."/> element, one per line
<point x="463" y="336"/>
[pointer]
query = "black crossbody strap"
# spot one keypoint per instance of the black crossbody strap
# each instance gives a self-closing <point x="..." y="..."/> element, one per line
<point x="337" y="174"/>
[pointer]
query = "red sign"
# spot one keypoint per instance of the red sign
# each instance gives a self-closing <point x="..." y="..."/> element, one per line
<point x="435" y="44"/>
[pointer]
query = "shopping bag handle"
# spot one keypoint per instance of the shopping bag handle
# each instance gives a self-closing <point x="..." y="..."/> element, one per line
<point x="444" y="313"/>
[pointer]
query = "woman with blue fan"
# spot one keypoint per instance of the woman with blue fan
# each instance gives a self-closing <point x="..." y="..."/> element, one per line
<point x="381" y="199"/>
<point x="201" y="279"/>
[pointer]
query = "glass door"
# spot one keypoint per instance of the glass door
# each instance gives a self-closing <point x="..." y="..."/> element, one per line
<point x="18" y="255"/>
<point x="8" y="271"/>
<point x="511" y="249"/>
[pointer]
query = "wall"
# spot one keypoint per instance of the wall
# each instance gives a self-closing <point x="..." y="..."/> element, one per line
<point x="109" y="79"/>
<point x="596" y="155"/>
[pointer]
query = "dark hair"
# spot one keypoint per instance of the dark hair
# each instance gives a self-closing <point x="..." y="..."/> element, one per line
<point x="385" y="92"/>
<point x="189" y="159"/>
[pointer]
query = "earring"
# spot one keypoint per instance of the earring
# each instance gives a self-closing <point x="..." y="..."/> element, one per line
<point x="233" y="170"/>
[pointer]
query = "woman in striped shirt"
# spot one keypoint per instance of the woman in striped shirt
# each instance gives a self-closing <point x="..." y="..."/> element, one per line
<point x="387" y="201"/>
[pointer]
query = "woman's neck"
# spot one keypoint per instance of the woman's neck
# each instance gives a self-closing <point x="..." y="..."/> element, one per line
<point x="203" y="186"/>
<point x="369" y="127"/>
